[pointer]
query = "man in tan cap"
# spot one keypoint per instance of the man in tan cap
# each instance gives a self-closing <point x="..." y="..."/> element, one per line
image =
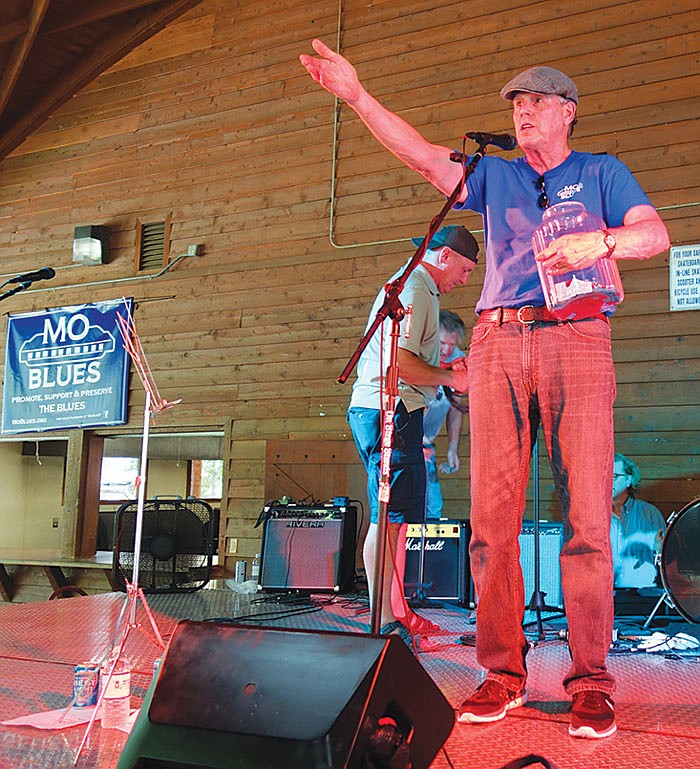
<point x="527" y="368"/>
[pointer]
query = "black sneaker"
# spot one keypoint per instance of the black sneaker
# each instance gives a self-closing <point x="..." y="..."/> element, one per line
<point x="592" y="715"/>
<point x="490" y="702"/>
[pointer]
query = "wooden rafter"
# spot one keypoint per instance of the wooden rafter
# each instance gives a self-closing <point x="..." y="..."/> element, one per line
<point x="64" y="19"/>
<point x="21" y="51"/>
<point x="12" y="30"/>
<point x="123" y="38"/>
<point x="86" y="13"/>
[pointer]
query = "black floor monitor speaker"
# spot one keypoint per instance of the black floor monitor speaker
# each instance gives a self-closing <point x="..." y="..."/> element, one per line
<point x="241" y="697"/>
<point x="308" y="548"/>
<point x="445" y="546"/>
<point x="551" y="540"/>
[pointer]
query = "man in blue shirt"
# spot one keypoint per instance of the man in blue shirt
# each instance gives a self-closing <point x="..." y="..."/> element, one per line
<point x="528" y="369"/>
<point x="637" y="529"/>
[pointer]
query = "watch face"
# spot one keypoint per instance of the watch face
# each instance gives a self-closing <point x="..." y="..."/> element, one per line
<point x="609" y="240"/>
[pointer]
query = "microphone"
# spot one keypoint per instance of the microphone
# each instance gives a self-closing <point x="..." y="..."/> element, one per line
<point x="45" y="273"/>
<point x="504" y="141"/>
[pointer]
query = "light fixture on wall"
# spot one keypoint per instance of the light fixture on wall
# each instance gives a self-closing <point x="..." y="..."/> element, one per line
<point x="90" y="244"/>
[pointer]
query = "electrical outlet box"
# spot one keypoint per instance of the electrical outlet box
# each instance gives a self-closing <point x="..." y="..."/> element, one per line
<point x="233" y="546"/>
<point x="193" y="250"/>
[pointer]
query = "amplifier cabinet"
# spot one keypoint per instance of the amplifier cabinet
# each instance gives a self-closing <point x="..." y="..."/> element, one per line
<point x="551" y="540"/>
<point x="445" y="547"/>
<point x="309" y="548"/>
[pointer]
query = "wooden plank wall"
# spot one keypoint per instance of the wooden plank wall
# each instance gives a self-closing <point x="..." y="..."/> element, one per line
<point x="215" y="123"/>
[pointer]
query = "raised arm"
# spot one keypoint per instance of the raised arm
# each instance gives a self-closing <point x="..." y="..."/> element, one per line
<point x="335" y="73"/>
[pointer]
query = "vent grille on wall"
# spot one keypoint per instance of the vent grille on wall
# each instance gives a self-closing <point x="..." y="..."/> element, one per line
<point x="153" y="245"/>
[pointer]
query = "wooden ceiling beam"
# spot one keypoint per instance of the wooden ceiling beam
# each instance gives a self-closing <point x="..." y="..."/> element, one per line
<point x="120" y="41"/>
<point x="60" y="20"/>
<point x="21" y="51"/>
<point x="12" y="30"/>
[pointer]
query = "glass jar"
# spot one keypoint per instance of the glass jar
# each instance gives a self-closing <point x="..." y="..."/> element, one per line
<point x="585" y="291"/>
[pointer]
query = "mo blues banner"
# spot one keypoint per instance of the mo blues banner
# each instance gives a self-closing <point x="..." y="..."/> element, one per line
<point x="65" y="368"/>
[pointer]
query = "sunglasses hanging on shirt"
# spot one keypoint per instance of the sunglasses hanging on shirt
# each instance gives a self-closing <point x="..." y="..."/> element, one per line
<point x="543" y="200"/>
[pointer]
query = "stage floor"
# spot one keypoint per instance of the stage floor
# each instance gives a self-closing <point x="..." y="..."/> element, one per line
<point x="657" y="700"/>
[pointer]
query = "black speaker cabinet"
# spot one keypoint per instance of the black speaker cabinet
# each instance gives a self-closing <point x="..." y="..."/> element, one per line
<point x="308" y="548"/>
<point x="445" y="546"/>
<point x="551" y="541"/>
<point x="241" y="697"/>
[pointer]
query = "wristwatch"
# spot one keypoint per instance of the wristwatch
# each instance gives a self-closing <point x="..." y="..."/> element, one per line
<point x="610" y="243"/>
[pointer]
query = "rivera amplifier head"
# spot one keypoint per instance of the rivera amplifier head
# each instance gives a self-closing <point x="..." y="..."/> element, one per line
<point x="308" y="548"/>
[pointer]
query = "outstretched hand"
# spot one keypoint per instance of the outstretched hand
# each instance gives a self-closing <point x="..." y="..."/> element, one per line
<point x="332" y="72"/>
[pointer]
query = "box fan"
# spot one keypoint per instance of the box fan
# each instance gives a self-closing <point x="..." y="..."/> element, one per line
<point x="176" y="545"/>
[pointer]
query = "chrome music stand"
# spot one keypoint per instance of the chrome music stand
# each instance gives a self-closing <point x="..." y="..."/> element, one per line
<point x="134" y="593"/>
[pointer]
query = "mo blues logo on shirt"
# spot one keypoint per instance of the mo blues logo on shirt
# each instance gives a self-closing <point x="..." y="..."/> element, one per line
<point x="65" y="367"/>
<point x="567" y="192"/>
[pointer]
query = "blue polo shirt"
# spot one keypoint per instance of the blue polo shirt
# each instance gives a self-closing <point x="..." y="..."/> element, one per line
<point x="504" y="193"/>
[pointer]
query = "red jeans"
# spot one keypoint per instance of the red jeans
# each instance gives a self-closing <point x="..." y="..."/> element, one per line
<point x="559" y="375"/>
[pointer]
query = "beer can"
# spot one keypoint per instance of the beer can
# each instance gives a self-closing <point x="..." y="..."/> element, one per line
<point x="86" y="685"/>
<point x="240" y="571"/>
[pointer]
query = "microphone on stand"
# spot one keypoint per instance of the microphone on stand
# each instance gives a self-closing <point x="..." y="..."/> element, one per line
<point x="45" y="273"/>
<point x="503" y="141"/>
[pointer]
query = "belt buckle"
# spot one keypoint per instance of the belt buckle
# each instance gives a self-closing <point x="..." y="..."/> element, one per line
<point x="520" y="317"/>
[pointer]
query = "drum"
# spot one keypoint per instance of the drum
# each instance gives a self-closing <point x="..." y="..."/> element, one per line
<point x="680" y="561"/>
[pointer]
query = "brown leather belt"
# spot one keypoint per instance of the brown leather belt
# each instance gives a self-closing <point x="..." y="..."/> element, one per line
<point x="526" y="315"/>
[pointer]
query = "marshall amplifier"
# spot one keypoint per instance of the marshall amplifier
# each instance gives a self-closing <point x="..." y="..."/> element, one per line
<point x="308" y="548"/>
<point x="445" y="563"/>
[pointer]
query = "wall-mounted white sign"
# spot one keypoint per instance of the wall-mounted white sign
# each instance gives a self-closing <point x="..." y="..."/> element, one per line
<point x="684" y="277"/>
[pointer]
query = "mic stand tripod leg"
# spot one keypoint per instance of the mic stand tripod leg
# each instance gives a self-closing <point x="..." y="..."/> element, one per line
<point x="537" y="602"/>
<point x="421" y="591"/>
<point x="420" y="594"/>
